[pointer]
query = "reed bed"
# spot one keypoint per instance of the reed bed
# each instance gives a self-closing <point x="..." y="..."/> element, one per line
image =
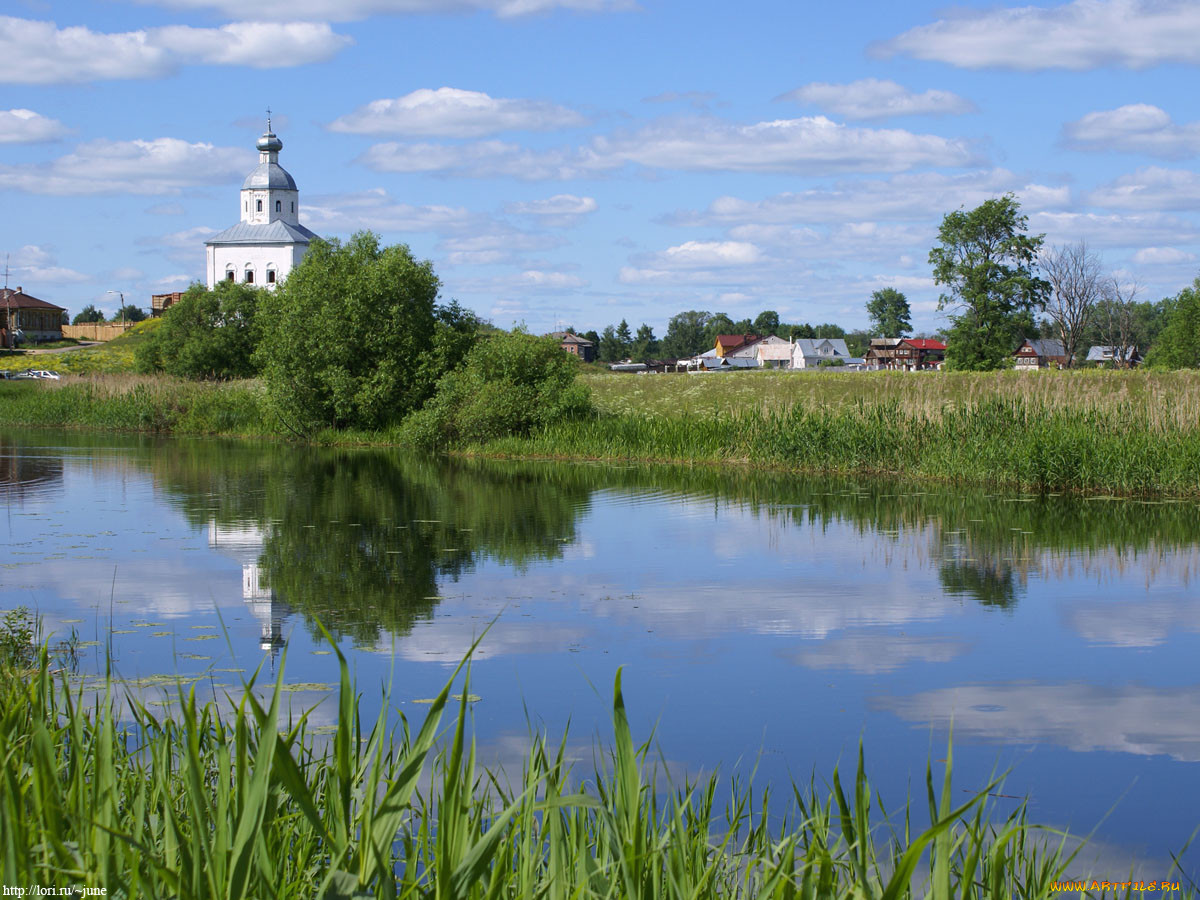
<point x="235" y="800"/>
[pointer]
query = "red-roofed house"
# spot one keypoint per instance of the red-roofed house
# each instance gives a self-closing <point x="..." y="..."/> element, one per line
<point x="921" y="353"/>
<point x="27" y="318"/>
<point x="727" y="343"/>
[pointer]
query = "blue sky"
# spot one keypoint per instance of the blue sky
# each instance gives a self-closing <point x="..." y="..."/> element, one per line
<point x="583" y="161"/>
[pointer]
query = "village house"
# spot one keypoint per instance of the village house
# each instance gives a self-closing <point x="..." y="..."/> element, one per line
<point x="921" y="353"/>
<point x="1104" y="355"/>
<point x="809" y="353"/>
<point x="26" y="319"/>
<point x="1040" y="353"/>
<point x="160" y="303"/>
<point x="774" y="353"/>
<point x="729" y="344"/>
<point x="882" y="353"/>
<point x="573" y="343"/>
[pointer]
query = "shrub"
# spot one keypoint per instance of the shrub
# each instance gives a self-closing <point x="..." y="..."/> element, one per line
<point x="509" y="384"/>
<point x="207" y="334"/>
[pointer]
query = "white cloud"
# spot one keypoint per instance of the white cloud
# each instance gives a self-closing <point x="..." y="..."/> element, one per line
<point x="533" y="278"/>
<point x="36" y="52"/>
<point x="874" y="98"/>
<point x="38" y="265"/>
<point x="873" y="654"/>
<point x="450" y="112"/>
<point x="556" y="207"/>
<point x="1162" y="256"/>
<point x="1111" y="229"/>
<point x="1152" y="188"/>
<point x="1081" y="35"/>
<point x="350" y="10"/>
<point x="1137" y="128"/>
<point x="811" y="145"/>
<point x="922" y="196"/>
<point x="693" y="254"/>
<point x="159" y="166"/>
<point x="375" y="209"/>
<point x="24" y="126"/>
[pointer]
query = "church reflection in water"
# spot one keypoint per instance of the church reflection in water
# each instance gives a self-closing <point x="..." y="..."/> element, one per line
<point x="244" y="543"/>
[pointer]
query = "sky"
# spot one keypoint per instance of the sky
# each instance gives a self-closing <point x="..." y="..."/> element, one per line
<point x="579" y="162"/>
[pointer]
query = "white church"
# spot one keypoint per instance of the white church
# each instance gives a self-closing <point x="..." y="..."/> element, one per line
<point x="269" y="240"/>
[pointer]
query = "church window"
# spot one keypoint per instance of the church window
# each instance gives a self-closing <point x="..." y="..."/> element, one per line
<point x="293" y="206"/>
<point x="278" y="206"/>
<point x="270" y="276"/>
<point x="229" y="275"/>
<point x="259" y="202"/>
<point x="249" y="276"/>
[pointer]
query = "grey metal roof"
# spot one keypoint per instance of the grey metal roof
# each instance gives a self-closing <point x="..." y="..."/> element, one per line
<point x="269" y="176"/>
<point x="1047" y="347"/>
<point x="811" y="347"/>
<point x="1105" y="353"/>
<point x="276" y="232"/>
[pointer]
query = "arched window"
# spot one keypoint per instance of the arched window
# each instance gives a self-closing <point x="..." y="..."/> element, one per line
<point x="278" y="206"/>
<point x="270" y="276"/>
<point x="229" y="275"/>
<point x="246" y="206"/>
<point x="259" y="202"/>
<point x="293" y="206"/>
<point x="249" y="276"/>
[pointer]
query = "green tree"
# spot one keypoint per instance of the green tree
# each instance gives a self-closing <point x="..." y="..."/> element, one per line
<point x="889" y="313"/>
<point x="1178" y="345"/>
<point x="207" y="334"/>
<point x="645" y="346"/>
<point x="88" y="315"/>
<point x="508" y="385"/>
<point x="128" y="313"/>
<point x="626" y="338"/>
<point x="593" y="337"/>
<point x="687" y="335"/>
<point x="718" y="323"/>
<point x="610" y="348"/>
<point x="766" y="323"/>
<point x="345" y="338"/>
<point x="986" y="261"/>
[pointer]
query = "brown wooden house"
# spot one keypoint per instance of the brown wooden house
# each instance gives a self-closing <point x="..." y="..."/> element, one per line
<point x="1040" y="353"/>
<point x="27" y="319"/>
<point x="573" y="343"/>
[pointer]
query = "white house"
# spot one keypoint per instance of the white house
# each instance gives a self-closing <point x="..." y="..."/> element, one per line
<point x="269" y="240"/>
<point x="811" y="352"/>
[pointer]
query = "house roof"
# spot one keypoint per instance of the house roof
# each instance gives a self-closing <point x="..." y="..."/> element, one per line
<point x="277" y="232"/>
<point x="566" y="337"/>
<point x="1045" y="347"/>
<point x="1105" y="353"/>
<point x="18" y="299"/>
<point x="833" y="347"/>
<point x="885" y="343"/>
<point x="925" y="343"/>
<point x="732" y="341"/>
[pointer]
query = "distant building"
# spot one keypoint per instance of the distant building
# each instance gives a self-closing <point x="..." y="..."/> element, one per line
<point x="808" y="353"/>
<point x="1113" y="356"/>
<point x="32" y="320"/>
<point x="726" y="344"/>
<point x="160" y="303"/>
<point x="921" y="353"/>
<point x="1040" y="353"/>
<point x="269" y="241"/>
<point x="882" y="353"/>
<point x="573" y="343"/>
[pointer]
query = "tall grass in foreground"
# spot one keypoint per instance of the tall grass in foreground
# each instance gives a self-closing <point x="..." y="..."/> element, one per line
<point x="238" y="804"/>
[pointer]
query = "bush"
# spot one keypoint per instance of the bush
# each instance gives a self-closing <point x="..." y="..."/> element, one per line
<point x="207" y="334"/>
<point x="346" y="338"/>
<point x="509" y="384"/>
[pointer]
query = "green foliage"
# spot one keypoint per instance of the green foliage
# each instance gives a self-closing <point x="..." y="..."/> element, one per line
<point x="986" y="261"/>
<point x="889" y="313"/>
<point x="508" y="385"/>
<point x="1178" y="345"/>
<point x="16" y="638"/>
<point x="830" y="363"/>
<point x="207" y="334"/>
<point x="128" y="313"/>
<point x="344" y="337"/>
<point x="89" y="315"/>
<point x="610" y="349"/>
<point x="687" y="335"/>
<point x="766" y="323"/>
<point x="645" y="345"/>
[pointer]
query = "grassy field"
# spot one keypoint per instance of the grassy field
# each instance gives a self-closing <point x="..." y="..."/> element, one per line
<point x="239" y="799"/>
<point x="115" y="356"/>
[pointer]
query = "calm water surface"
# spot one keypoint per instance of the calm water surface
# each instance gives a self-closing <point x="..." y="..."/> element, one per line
<point x="762" y="621"/>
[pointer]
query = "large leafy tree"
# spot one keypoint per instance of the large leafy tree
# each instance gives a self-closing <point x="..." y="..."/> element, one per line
<point x="766" y="323"/>
<point x="986" y="261"/>
<point x="207" y="334"/>
<point x="645" y="345"/>
<point x="687" y="335"/>
<point x="345" y="338"/>
<point x="1178" y="345"/>
<point x="889" y="313"/>
<point x="128" y="313"/>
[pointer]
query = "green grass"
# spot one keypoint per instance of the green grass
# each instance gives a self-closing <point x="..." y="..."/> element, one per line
<point x="111" y="357"/>
<point x="238" y="800"/>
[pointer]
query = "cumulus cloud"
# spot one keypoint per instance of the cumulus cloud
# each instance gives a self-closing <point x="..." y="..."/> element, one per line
<point x="810" y="145"/>
<point x="693" y="254"/>
<point x="24" y="126"/>
<point x="159" y="166"/>
<point x="377" y="210"/>
<point x="874" y="654"/>
<point x="450" y="112"/>
<point x="38" y="52"/>
<point x="925" y="195"/>
<point x="1152" y="188"/>
<point x="1084" y="34"/>
<point x="351" y="10"/>
<point x="556" y="207"/>
<point x="1163" y="256"/>
<point x="38" y="265"/>
<point x="874" y="98"/>
<point x="1111" y="229"/>
<point x="1136" y="128"/>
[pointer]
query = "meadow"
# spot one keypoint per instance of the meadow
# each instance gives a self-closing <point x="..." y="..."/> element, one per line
<point x="239" y="798"/>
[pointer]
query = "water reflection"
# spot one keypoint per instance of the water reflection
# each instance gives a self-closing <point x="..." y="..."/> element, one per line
<point x="24" y="474"/>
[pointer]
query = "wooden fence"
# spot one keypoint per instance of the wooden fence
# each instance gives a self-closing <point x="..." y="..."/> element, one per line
<point x="95" y="332"/>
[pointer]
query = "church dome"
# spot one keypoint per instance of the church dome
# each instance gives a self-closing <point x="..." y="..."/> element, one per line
<point x="269" y="142"/>
<point x="269" y="176"/>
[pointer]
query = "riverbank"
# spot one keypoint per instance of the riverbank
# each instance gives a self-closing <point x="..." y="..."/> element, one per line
<point x="1129" y="433"/>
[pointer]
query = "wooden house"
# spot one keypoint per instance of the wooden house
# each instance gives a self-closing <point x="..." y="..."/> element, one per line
<point x="26" y="319"/>
<point x="1040" y="353"/>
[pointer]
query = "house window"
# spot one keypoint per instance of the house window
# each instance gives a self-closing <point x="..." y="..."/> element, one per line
<point x="229" y="275"/>
<point x="278" y="206"/>
<point x="270" y="276"/>
<point x="249" y="276"/>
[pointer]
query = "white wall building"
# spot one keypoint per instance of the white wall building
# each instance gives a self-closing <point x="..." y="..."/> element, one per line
<point x="269" y="240"/>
